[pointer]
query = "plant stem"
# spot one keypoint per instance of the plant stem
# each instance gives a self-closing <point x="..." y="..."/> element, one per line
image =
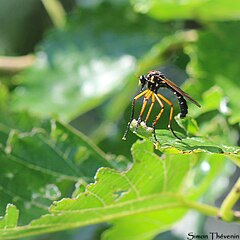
<point x="56" y="12"/>
<point x="15" y="64"/>
<point x="234" y="158"/>
<point x="226" y="212"/>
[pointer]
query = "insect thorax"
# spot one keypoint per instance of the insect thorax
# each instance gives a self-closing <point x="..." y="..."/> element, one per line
<point x="155" y="80"/>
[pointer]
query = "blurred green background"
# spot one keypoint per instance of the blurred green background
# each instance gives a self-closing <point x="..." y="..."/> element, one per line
<point x="80" y="60"/>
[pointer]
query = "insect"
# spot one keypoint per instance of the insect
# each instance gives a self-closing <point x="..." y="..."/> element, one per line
<point x="153" y="81"/>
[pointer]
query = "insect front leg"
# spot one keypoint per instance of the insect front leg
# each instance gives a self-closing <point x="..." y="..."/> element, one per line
<point x="150" y="108"/>
<point x="145" y="100"/>
<point x="132" y="112"/>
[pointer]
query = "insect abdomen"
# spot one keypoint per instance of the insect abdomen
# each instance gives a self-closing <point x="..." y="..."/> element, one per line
<point x="183" y="105"/>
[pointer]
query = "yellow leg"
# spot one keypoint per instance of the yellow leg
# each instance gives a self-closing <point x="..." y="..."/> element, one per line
<point x="171" y="114"/>
<point x="158" y="116"/>
<point x="150" y="108"/>
<point x="132" y="113"/>
<point x="145" y="100"/>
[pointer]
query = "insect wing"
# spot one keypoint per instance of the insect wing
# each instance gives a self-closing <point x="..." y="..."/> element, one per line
<point x="179" y="90"/>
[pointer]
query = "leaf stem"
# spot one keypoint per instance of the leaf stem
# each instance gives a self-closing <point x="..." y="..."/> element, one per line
<point x="201" y="207"/>
<point x="226" y="209"/>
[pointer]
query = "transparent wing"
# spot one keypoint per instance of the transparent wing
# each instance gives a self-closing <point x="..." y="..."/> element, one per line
<point x="179" y="90"/>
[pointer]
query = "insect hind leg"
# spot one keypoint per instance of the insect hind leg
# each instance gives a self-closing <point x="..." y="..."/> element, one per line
<point x="158" y="116"/>
<point x="170" y="116"/>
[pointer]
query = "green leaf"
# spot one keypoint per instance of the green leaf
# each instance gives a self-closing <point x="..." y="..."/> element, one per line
<point x="211" y="100"/>
<point x="36" y="151"/>
<point x="189" y="124"/>
<point x="91" y="59"/>
<point x="3" y="95"/>
<point x="17" y="121"/>
<point x="40" y="163"/>
<point x="154" y="193"/>
<point x="144" y="226"/>
<point x="169" y="143"/>
<point x="217" y="10"/>
<point x="11" y="217"/>
<point x="216" y="66"/>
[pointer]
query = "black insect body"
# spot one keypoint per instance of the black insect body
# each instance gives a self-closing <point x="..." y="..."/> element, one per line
<point x="182" y="104"/>
<point x="153" y="81"/>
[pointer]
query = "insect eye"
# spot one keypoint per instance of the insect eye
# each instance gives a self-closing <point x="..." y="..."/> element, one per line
<point x="142" y="79"/>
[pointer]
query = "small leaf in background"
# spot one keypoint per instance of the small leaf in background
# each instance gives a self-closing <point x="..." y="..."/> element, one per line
<point x="189" y="9"/>
<point x="209" y="69"/>
<point x="4" y="95"/>
<point x="189" y="125"/>
<point x="10" y="219"/>
<point x="211" y="100"/>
